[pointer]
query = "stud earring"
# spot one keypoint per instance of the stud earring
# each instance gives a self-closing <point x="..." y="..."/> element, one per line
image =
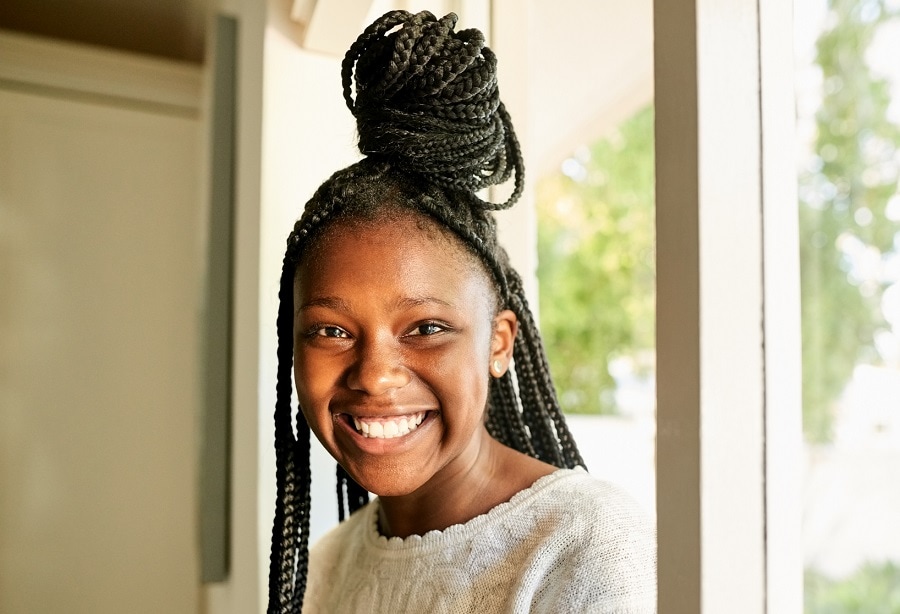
<point x="498" y="368"/>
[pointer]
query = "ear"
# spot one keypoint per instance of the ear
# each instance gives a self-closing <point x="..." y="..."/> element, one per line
<point x="505" y="327"/>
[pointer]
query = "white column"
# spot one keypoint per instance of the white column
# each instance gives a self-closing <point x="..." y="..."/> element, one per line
<point x="722" y="124"/>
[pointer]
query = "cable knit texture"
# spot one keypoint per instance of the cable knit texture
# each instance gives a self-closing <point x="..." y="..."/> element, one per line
<point x="569" y="543"/>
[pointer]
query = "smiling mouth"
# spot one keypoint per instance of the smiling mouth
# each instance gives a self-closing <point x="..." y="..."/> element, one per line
<point x="388" y="427"/>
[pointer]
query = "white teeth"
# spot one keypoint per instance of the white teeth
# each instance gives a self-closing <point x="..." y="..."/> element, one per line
<point x="388" y="428"/>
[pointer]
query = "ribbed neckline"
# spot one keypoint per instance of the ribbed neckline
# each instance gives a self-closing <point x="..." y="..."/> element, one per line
<point x="466" y="529"/>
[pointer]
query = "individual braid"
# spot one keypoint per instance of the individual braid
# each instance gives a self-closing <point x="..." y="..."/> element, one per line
<point x="348" y="490"/>
<point x="434" y="131"/>
<point x="290" y="528"/>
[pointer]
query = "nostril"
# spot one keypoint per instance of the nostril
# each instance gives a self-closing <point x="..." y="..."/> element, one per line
<point x="377" y="370"/>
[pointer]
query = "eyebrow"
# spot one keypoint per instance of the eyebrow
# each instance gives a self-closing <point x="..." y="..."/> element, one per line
<point x="416" y="301"/>
<point x="329" y="302"/>
<point x="339" y="304"/>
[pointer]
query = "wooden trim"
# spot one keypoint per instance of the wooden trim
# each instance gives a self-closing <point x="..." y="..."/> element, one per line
<point x="63" y="69"/>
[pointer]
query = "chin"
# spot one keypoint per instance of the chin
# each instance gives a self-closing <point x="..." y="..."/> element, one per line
<point x="390" y="483"/>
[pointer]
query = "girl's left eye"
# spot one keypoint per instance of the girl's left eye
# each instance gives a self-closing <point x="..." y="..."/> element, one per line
<point x="429" y="328"/>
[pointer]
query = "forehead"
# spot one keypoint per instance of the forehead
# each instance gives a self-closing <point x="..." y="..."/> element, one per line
<point x="401" y="254"/>
<point x="379" y="230"/>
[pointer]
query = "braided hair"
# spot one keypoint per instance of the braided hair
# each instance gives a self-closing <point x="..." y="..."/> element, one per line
<point x="433" y="132"/>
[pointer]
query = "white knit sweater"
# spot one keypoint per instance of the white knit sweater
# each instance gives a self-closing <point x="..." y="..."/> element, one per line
<point x="569" y="543"/>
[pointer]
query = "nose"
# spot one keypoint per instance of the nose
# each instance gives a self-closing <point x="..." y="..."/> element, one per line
<point x="378" y="367"/>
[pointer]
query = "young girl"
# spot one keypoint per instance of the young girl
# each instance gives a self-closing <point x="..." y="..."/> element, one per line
<point x="419" y="367"/>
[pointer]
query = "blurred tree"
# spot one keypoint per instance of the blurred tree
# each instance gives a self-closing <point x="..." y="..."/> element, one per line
<point x="596" y="264"/>
<point x="843" y="195"/>
<point x="873" y="589"/>
<point x="595" y="237"/>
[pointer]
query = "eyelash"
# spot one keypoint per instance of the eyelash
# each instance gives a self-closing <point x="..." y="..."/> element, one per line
<point x="321" y="330"/>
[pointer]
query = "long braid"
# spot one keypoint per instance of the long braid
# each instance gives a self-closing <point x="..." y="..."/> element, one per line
<point x="552" y="439"/>
<point x="504" y="417"/>
<point x="434" y="131"/>
<point x="290" y="529"/>
<point x="349" y="493"/>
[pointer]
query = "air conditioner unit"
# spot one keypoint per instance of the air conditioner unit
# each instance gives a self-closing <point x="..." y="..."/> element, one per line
<point x="330" y="26"/>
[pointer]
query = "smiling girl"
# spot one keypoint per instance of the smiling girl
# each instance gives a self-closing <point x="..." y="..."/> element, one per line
<point x="418" y="366"/>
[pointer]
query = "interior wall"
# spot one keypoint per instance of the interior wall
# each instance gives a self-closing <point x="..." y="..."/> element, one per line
<point x="99" y="238"/>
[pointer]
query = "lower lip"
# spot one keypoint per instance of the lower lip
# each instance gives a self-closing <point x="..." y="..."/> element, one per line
<point x="375" y="445"/>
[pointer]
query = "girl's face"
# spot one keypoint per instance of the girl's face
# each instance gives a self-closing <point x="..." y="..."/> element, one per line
<point x="394" y="335"/>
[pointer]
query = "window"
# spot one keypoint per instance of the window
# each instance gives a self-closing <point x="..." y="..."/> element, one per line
<point x="848" y="90"/>
<point x="597" y="287"/>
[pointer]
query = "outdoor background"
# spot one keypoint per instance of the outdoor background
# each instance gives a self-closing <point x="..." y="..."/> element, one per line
<point x="596" y="272"/>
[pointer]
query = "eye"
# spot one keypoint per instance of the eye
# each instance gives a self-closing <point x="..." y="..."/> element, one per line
<point x="427" y="329"/>
<point x="333" y="332"/>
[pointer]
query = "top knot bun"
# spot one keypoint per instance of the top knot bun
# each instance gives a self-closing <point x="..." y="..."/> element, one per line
<point x="426" y="98"/>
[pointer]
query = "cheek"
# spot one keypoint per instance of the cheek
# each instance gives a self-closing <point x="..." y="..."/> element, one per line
<point x="311" y="383"/>
<point x="462" y="376"/>
<point x="313" y="395"/>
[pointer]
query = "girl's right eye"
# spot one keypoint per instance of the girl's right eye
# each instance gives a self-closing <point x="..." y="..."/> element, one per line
<point x="333" y="332"/>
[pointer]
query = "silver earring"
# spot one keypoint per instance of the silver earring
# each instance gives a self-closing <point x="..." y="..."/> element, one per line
<point x="498" y="368"/>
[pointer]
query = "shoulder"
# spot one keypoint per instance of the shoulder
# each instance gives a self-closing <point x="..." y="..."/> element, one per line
<point x="599" y="546"/>
<point x="603" y="512"/>
<point x="576" y="494"/>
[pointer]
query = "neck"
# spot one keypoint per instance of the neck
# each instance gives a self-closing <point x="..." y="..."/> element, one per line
<point x="492" y="475"/>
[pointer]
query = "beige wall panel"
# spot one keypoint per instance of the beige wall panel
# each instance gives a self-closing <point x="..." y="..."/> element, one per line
<point x="99" y="236"/>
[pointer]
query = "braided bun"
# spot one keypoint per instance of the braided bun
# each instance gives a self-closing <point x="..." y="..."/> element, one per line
<point x="427" y="100"/>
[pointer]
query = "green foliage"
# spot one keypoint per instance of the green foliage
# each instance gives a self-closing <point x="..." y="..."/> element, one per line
<point x="596" y="263"/>
<point x="843" y="197"/>
<point x="873" y="589"/>
<point x="595" y="239"/>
